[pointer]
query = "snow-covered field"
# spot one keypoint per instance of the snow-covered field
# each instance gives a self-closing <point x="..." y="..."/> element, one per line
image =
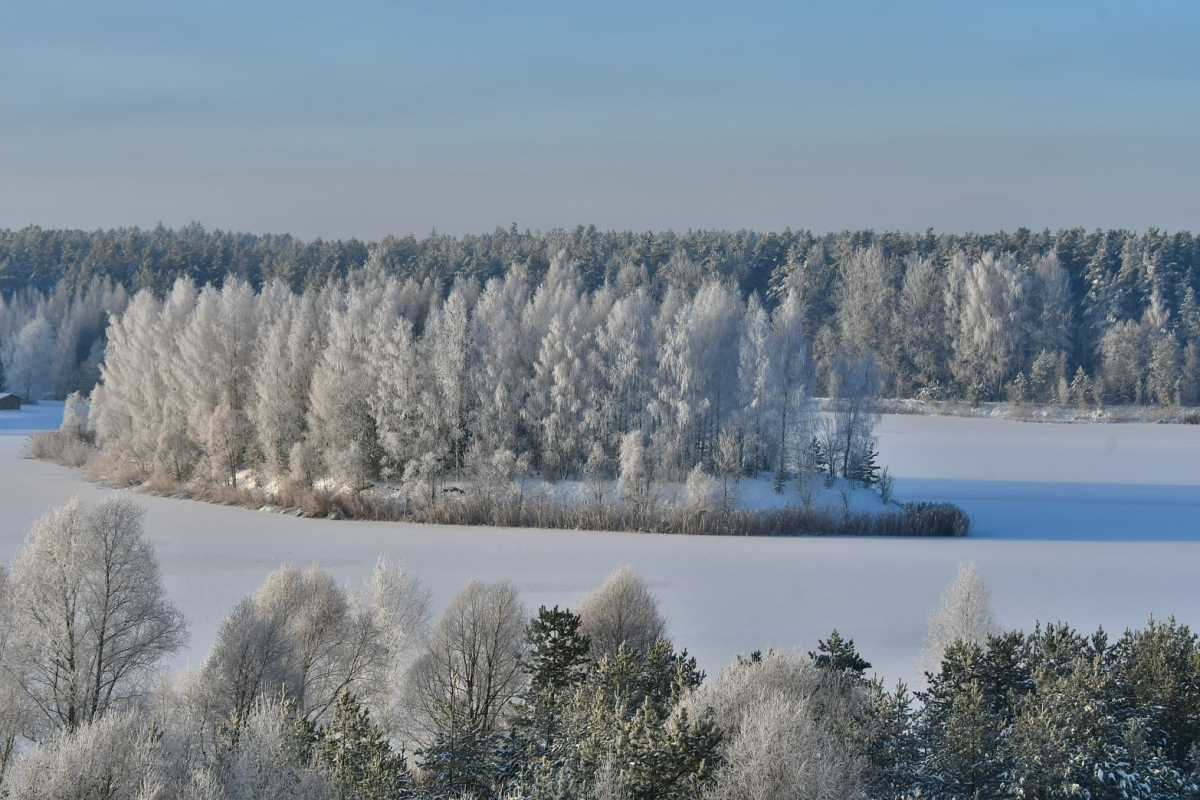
<point x="1093" y="524"/>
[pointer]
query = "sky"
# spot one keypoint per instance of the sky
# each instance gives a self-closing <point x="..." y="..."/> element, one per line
<point x="377" y="117"/>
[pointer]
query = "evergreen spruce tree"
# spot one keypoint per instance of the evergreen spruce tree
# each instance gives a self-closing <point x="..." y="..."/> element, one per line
<point x="864" y="468"/>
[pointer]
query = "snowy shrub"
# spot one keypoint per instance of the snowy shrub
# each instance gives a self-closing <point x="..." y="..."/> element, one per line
<point x="702" y="492"/>
<point x="117" y="756"/>
<point x="61" y="447"/>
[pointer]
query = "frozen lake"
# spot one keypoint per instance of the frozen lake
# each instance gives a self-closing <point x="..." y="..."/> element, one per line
<point x="1091" y="524"/>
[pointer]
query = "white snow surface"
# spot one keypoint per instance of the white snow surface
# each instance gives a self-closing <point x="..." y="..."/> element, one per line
<point x="1094" y="524"/>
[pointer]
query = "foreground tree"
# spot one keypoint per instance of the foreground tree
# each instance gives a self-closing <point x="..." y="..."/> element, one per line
<point x="461" y="688"/>
<point x="115" y="758"/>
<point x="91" y="615"/>
<point x="12" y="702"/>
<point x="302" y="634"/>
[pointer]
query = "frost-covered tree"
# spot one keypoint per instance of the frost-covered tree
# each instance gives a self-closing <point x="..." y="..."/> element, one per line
<point x="341" y="424"/>
<point x="91" y="616"/>
<point x="271" y="759"/>
<point x="1163" y="377"/>
<point x="635" y="476"/>
<point x="1125" y="352"/>
<point x="30" y="361"/>
<point x="857" y="383"/>
<point x="444" y="403"/>
<point x="14" y="706"/>
<point x="75" y="416"/>
<point x="625" y="363"/>
<point x="460" y="688"/>
<point x="920" y="323"/>
<point x="302" y="633"/>
<point x="963" y="614"/>
<point x="1049" y="307"/>
<point x="758" y="381"/>
<point x="697" y="379"/>
<point x="789" y="350"/>
<point x="782" y="722"/>
<point x="558" y="390"/>
<point x="866" y="296"/>
<point x="289" y="345"/>
<point x="395" y="400"/>
<point x="499" y="375"/>
<point x="399" y="603"/>
<point x="622" y="610"/>
<point x="115" y="757"/>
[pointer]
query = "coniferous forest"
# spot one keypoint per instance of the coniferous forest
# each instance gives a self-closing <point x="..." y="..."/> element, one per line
<point x="1072" y="316"/>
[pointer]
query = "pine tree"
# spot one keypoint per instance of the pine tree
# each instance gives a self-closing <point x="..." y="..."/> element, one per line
<point x="557" y="664"/>
<point x="839" y="655"/>
<point x="462" y="763"/>
<point x="626" y="716"/>
<point x="890" y="745"/>
<point x="357" y="757"/>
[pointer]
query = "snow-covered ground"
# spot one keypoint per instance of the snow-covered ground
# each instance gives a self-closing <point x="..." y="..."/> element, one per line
<point x="1092" y="524"/>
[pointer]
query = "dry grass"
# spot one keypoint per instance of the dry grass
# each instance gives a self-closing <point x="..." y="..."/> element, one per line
<point x="922" y="519"/>
<point x="60" y="447"/>
<point x="912" y="519"/>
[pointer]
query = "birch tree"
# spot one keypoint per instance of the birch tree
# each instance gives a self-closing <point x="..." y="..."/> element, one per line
<point x="963" y="614"/>
<point x="91" y="615"/>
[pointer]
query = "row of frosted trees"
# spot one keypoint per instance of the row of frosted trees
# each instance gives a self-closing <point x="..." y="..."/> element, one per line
<point x="996" y="327"/>
<point x="1070" y="317"/>
<point x="377" y="377"/>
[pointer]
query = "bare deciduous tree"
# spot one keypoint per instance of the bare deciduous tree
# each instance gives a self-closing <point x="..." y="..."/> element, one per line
<point x="301" y="633"/>
<point x="472" y="667"/>
<point x="621" y="610"/>
<point x="400" y="604"/>
<point x="92" y="618"/>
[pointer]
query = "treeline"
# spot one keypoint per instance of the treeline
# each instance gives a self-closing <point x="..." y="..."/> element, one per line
<point x="375" y="377"/>
<point x="313" y="689"/>
<point x="52" y="344"/>
<point x="1072" y="316"/>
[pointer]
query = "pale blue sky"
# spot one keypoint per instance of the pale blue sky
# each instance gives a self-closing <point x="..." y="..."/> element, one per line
<point x="393" y="117"/>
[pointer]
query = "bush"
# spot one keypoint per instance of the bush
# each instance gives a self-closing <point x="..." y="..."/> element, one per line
<point x="61" y="447"/>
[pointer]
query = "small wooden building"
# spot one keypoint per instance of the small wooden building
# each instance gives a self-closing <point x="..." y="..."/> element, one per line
<point x="10" y="402"/>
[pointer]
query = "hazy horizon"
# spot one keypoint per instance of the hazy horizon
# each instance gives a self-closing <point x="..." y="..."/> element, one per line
<point x="291" y="118"/>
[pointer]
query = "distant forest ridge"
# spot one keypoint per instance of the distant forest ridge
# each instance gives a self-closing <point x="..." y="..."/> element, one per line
<point x="1000" y="315"/>
<point x="757" y="261"/>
